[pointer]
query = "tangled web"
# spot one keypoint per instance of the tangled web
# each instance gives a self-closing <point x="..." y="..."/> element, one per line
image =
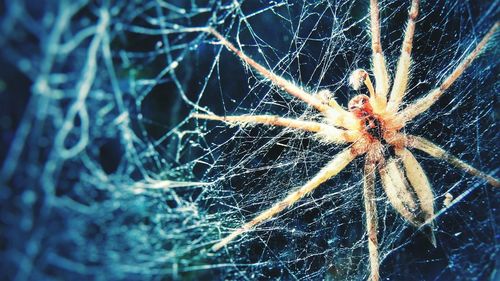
<point x="106" y="176"/>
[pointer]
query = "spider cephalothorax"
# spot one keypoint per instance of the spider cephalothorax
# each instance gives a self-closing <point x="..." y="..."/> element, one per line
<point x="360" y="106"/>
<point x="372" y="124"/>
<point x="371" y="128"/>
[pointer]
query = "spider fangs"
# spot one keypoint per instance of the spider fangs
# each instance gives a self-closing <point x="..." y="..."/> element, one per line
<point x="371" y="127"/>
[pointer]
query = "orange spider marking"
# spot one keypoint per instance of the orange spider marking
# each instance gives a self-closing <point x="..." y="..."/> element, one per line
<point x="360" y="106"/>
<point x="373" y="124"/>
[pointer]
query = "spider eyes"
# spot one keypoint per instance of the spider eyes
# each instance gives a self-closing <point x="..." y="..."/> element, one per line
<point x="360" y="105"/>
<point x="358" y="101"/>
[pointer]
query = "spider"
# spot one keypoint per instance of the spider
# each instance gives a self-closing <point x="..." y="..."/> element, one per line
<point x="371" y="126"/>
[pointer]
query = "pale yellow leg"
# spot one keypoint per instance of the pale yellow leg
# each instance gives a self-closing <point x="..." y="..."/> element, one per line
<point x="338" y="115"/>
<point x="439" y="153"/>
<point x="378" y="60"/>
<point x="403" y="70"/>
<point x="324" y="131"/>
<point x="371" y="218"/>
<point x="424" y="103"/>
<point x="336" y="165"/>
<point x="338" y="118"/>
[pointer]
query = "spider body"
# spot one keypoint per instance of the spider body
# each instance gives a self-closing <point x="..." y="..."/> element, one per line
<point x="374" y="128"/>
<point x="371" y="127"/>
<point x="360" y="106"/>
<point x="372" y="124"/>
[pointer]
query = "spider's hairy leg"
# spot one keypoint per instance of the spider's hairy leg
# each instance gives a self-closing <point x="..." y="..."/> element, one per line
<point x="339" y="115"/>
<point x="340" y="119"/>
<point x="403" y="70"/>
<point x="326" y="97"/>
<point x="409" y="190"/>
<point x="324" y="131"/>
<point x="439" y="153"/>
<point x="337" y="164"/>
<point x="396" y="188"/>
<point x="371" y="217"/>
<point x="424" y="103"/>
<point x="378" y="60"/>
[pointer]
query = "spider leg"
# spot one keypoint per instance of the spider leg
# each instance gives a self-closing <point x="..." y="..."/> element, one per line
<point x="402" y="72"/>
<point x="371" y="217"/>
<point x="339" y="118"/>
<point x="326" y="97"/>
<point x="337" y="164"/>
<point x="378" y="60"/>
<point x="338" y="115"/>
<point x="326" y="132"/>
<point x="424" y="103"/>
<point x="439" y="153"/>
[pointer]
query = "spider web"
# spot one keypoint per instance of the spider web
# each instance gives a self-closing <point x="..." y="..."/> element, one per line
<point x="106" y="176"/>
